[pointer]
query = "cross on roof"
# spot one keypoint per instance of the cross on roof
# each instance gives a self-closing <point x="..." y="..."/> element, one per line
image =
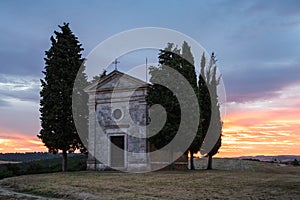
<point x="116" y="63"/>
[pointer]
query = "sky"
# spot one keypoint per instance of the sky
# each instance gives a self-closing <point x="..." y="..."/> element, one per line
<point x="257" y="44"/>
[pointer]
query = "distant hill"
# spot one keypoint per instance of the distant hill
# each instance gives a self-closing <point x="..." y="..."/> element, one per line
<point x="28" y="157"/>
<point x="280" y="158"/>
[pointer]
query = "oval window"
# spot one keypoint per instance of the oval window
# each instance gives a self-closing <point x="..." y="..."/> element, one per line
<point x="117" y="114"/>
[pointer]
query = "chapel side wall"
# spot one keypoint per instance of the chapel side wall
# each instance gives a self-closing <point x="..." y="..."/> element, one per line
<point x="91" y="161"/>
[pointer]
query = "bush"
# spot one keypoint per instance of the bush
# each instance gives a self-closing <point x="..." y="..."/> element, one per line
<point x="34" y="168"/>
<point x="295" y="162"/>
<point x="4" y="173"/>
<point x="13" y="168"/>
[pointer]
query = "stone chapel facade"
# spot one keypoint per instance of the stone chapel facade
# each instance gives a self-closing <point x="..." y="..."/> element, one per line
<point x="117" y="124"/>
<point x="118" y="110"/>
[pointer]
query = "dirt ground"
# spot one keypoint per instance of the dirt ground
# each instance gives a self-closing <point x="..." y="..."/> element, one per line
<point x="264" y="182"/>
<point x="8" y="194"/>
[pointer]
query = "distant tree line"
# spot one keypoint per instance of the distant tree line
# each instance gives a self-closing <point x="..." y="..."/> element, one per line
<point x="28" y="157"/>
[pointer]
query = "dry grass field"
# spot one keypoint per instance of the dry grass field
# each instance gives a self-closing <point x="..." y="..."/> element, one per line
<point x="265" y="181"/>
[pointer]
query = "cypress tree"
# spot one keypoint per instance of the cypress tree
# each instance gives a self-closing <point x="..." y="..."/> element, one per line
<point x="159" y="94"/>
<point x="62" y="63"/>
<point x="210" y="108"/>
<point x="181" y="60"/>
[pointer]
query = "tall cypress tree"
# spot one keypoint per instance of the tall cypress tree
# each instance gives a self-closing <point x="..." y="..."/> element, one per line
<point x="204" y="99"/>
<point x="209" y="104"/>
<point x="216" y="116"/>
<point x="181" y="60"/>
<point x="159" y="94"/>
<point x="62" y="63"/>
<point x="189" y="72"/>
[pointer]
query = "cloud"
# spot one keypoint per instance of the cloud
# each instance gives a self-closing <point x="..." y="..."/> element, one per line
<point x="260" y="81"/>
<point x="24" y="88"/>
<point x="288" y="8"/>
<point x="268" y="126"/>
<point x="255" y="42"/>
<point x="17" y="142"/>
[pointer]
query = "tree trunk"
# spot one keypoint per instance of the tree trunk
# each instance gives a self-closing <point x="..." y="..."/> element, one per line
<point x="64" y="161"/>
<point x="209" y="164"/>
<point x="171" y="166"/>
<point x="192" y="161"/>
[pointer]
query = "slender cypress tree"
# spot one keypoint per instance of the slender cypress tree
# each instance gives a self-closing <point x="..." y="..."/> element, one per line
<point x="181" y="60"/>
<point x="62" y="63"/>
<point x="209" y="104"/>
<point x="159" y="94"/>
<point x="189" y="72"/>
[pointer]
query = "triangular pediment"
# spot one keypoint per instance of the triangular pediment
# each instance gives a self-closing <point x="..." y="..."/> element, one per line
<point x="116" y="80"/>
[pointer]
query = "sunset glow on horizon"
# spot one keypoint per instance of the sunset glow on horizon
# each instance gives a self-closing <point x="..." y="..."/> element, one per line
<point x="19" y="143"/>
<point x="266" y="126"/>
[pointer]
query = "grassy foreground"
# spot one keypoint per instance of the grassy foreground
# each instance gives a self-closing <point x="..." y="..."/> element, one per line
<point x="200" y="184"/>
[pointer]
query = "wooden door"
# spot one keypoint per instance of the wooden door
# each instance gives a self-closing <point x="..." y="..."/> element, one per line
<point x="117" y="155"/>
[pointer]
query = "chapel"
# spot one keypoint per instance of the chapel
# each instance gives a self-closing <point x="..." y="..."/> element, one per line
<point x="117" y="125"/>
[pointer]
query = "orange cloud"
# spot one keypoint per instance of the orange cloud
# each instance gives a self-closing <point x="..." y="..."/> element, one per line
<point x="263" y="127"/>
<point x="16" y="142"/>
